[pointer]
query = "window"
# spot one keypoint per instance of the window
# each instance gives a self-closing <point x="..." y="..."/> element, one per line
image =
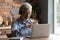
<point x="57" y="16"/>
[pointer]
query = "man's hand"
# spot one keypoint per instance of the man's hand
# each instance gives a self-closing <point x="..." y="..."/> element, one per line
<point x="30" y="25"/>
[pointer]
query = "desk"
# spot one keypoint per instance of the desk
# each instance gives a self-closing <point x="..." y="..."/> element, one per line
<point x="32" y="39"/>
<point x="37" y="39"/>
<point x="49" y="38"/>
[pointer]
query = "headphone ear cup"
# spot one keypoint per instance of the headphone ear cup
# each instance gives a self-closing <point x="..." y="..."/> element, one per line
<point x="20" y="12"/>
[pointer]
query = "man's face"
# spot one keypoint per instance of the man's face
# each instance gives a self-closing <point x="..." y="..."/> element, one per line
<point x="27" y="14"/>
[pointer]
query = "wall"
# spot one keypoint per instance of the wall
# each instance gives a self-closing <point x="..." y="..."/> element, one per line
<point x="6" y="5"/>
<point x="44" y="10"/>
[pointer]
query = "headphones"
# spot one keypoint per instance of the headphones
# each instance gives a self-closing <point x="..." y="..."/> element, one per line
<point x="20" y="11"/>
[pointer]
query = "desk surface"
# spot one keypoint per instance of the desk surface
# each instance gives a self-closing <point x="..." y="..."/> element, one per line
<point x="37" y="39"/>
<point x="51" y="37"/>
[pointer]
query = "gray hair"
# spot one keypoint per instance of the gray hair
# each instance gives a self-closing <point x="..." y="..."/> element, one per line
<point x="24" y="7"/>
<point x="27" y="5"/>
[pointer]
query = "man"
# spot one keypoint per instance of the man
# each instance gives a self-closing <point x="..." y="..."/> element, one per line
<point x="21" y="26"/>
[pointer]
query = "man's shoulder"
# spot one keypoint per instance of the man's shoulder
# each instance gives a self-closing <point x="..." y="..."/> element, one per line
<point x="14" y="21"/>
<point x="17" y="20"/>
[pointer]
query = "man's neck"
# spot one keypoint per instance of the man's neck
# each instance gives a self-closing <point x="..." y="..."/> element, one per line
<point x="22" y="19"/>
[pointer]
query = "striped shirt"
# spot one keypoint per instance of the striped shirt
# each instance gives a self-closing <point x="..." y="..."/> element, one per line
<point x="19" y="28"/>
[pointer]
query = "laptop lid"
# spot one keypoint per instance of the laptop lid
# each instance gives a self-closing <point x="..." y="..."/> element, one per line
<point x="40" y="30"/>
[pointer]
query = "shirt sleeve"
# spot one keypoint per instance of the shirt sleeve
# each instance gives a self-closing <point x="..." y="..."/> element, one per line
<point x="14" y="26"/>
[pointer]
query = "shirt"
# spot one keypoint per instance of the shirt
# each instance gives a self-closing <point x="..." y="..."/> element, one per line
<point x="19" y="28"/>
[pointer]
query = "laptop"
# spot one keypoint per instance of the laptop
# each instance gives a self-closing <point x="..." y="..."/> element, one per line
<point x="40" y="30"/>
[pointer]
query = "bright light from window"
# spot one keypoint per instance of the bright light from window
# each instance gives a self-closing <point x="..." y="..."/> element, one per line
<point x="57" y="16"/>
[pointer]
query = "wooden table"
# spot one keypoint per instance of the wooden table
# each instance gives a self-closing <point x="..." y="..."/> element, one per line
<point x="16" y="38"/>
<point x="51" y="37"/>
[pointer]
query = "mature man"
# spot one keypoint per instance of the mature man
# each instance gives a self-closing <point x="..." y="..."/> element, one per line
<point x="21" y="26"/>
